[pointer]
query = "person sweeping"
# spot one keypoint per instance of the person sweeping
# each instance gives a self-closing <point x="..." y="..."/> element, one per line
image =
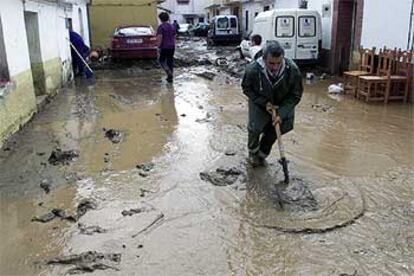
<point x="273" y="85"/>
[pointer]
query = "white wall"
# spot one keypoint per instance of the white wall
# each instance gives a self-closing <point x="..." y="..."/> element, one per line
<point x="326" y="19"/>
<point x="14" y="32"/>
<point x="194" y="7"/>
<point x="252" y="8"/>
<point x="76" y="24"/>
<point x="386" y="23"/>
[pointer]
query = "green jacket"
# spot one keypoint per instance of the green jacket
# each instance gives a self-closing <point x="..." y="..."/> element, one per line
<point x="286" y="94"/>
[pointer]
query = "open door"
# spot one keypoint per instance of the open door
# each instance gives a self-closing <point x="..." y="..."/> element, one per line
<point x="307" y="39"/>
<point x="285" y="33"/>
<point x="33" y="42"/>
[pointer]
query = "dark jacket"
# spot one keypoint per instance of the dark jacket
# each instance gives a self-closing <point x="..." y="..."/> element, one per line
<point x="286" y="94"/>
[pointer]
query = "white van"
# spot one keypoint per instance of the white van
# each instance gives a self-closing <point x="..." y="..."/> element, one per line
<point x="299" y="31"/>
<point x="224" y="28"/>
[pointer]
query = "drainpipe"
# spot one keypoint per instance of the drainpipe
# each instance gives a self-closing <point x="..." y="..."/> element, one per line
<point x="410" y="29"/>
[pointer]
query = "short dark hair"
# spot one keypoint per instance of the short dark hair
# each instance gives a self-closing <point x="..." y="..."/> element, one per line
<point x="164" y="17"/>
<point x="274" y="49"/>
<point x="257" y="39"/>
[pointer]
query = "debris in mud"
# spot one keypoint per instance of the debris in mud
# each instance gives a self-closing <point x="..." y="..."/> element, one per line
<point x="323" y="108"/>
<point x="45" y="185"/>
<point x="230" y="152"/>
<point x="144" y="192"/>
<point x="207" y="75"/>
<point x="59" y="157"/>
<point x="54" y="213"/>
<point x="131" y="212"/>
<point x="336" y="88"/>
<point x="159" y="218"/>
<point x="83" y="207"/>
<point x="140" y="246"/>
<point x="90" y="230"/>
<point x="88" y="261"/>
<point x="296" y="196"/>
<point x="222" y="176"/>
<point x="146" y="167"/>
<point x="143" y="174"/>
<point x="114" y="135"/>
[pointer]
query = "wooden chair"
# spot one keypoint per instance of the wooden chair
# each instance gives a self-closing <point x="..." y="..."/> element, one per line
<point x="401" y="77"/>
<point x="377" y="88"/>
<point x="366" y="67"/>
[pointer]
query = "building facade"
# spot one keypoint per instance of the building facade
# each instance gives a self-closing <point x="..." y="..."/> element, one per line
<point x="35" y="58"/>
<point x="187" y="11"/>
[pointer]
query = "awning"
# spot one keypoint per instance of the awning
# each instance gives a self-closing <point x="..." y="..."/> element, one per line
<point x="213" y="6"/>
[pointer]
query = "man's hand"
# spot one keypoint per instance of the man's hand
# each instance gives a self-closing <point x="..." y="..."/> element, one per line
<point x="272" y="109"/>
<point x="276" y="120"/>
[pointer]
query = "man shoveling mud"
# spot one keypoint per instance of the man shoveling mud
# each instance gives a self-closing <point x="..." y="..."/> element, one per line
<point x="271" y="82"/>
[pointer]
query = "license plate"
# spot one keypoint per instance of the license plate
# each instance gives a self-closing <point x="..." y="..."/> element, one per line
<point x="134" y="41"/>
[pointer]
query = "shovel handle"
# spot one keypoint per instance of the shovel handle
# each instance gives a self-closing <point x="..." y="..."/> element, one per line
<point x="279" y="135"/>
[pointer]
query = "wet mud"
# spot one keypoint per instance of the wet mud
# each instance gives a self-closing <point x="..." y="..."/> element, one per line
<point x="348" y="210"/>
<point x="87" y="262"/>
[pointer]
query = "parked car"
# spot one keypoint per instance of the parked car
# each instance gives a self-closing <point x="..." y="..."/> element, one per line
<point x="298" y="31"/>
<point x="184" y="29"/>
<point x="224" y="28"/>
<point x="137" y="41"/>
<point x="201" y="29"/>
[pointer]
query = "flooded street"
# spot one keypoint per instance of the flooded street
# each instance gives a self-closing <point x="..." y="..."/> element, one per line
<point x="154" y="209"/>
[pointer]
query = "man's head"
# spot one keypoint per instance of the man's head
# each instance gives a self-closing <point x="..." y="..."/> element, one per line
<point x="256" y="40"/>
<point x="273" y="55"/>
<point x="164" y="17"/>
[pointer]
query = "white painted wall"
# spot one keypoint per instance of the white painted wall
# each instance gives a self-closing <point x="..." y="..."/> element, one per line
<point x="76" y="20"/>
<point x="252" y="8"/>
<point x="14" y="33"/>
<point x="386" y="23"/>
<point x="194" y="7"/>
<point x="52" y="31"/>
<point x="326" y="19"/>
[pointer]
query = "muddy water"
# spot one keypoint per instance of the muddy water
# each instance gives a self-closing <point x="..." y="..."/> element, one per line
<point x="190" y="227"/>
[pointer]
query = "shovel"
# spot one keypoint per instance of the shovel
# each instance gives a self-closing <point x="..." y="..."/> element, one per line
<point x="282" y="159"/>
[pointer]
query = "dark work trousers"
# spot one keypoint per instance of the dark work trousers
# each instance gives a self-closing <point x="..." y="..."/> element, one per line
<point x="260" y="144"/>
<point x="167" y="60"/>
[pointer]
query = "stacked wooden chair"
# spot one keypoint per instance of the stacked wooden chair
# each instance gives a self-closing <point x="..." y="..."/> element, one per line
<point x="365" y="68"/>
<point x="392" y="80"/>
<point x="401" y="77"/>
<point x="376" y="88"/>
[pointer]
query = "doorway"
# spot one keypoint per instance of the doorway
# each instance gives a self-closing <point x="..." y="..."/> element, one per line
<point x="346" y="32"/>
<point x="33" y="42"/>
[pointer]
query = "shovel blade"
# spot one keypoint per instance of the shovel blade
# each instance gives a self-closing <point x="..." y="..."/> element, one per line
<point x="284" y="164"/>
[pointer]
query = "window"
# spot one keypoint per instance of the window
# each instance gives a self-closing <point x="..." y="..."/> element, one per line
<point x="222" y="23"/>
<point x="201" y="20"/>
<point x="233" y="22"/>
<point x="4" y="68"/>
<point x="134" y="31"/>
<point x="285" y="26"/>
<point x="307" y="26"/>
<point x="256" y="14"/>
<point x="183" y="2"/>
<point x="266" y="8"/>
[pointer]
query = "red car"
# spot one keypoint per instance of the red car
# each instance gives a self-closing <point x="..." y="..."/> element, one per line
<point x="137" y="41"/>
